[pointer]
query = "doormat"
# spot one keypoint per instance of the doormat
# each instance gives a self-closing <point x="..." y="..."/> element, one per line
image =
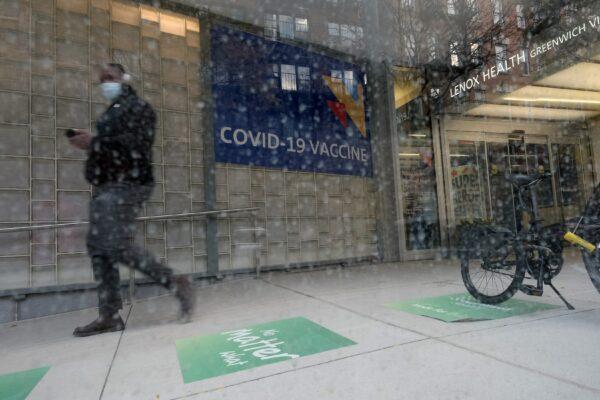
<point x="18" y="385"/>
<point x="209" y="356"/>
<point x="464" y="307"/>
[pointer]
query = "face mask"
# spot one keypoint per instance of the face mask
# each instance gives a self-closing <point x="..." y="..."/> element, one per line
<point x="111" y="90"/>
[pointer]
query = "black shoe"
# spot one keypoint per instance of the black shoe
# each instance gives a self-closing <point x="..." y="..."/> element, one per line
<point x="100" y="325"/>
<point x="185" y="294"/>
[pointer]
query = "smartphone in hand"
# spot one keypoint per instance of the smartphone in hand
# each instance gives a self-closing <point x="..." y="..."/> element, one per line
<point x="71" y="133"/>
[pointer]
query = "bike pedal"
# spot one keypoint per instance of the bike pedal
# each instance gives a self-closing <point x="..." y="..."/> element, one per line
<point x="531" y="290"/>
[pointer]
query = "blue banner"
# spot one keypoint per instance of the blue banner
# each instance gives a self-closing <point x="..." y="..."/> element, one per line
<point x="282" y="106"/>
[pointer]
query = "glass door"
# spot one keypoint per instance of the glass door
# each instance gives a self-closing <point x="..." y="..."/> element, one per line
<point x="478" y="188"/>
<point x="479" y="164"/>
<point x="419" y="221"/>
<point x="503" y="157"/>
<point x="539" y="161"/>
<point x="569" y="176"/>
<point x="468" y="179"/>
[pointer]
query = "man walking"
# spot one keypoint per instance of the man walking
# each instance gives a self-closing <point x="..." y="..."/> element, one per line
<point x="119" y="169"/>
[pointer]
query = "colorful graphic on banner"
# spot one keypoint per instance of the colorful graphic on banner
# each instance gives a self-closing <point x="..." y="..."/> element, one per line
<point x="281" y="106"/>
<point x="464" y="307"/>
<point x="205" y="357"/>
<point x="18" y="385"/>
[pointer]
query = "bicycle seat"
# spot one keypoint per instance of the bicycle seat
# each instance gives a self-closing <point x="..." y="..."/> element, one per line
<point x="521" y="180"/>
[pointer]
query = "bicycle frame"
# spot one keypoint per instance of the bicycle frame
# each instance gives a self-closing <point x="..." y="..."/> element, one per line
<point x="533" y="239"/>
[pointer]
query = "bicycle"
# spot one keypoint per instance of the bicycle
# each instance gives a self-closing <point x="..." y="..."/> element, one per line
<point x="495" y="260"/>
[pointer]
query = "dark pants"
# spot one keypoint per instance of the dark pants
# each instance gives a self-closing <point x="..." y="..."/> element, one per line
<point x="113" y="210"/>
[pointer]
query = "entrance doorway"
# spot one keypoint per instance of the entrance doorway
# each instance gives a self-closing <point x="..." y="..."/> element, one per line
<point x="418" y="165"/>
<point x="479" y="162"/>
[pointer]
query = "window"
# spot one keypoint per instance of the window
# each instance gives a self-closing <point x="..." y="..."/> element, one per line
<point x="497" y="11"/>
<point x="520" y="16"/>
<point x="336" y="76"/>
<point x="432" y="48"/>
<point x="292" y="79"/>
<point x="570" y="11"/>
<point x="359" y="33"/>
<point x="334" y="29"/>
<point x="304" y="79"/>
<point x="475" y="53"/>
<point x="271" y="26"/>
<point x="454" y="59"/>
<point x="409" y="45"/>
<point x="349" y="80"/>
<point x="286" y="27"/>
<point x="526" y="62"/>
<point x="538" y="14"/>
<point x="347" y="35"/>
<point x="351" y="83"/>
<point x="288" y="77"/>
<point x="500" y="54"/>
<point x="451" y="8"/>
<point x="274" y="76"/>
<point x="301" y="25"/>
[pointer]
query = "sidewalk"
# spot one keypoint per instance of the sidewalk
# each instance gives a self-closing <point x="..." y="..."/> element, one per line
<point x="553" y="354"/>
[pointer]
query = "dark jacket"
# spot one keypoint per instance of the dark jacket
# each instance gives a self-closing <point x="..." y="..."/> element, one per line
<point x="122" y="149"/>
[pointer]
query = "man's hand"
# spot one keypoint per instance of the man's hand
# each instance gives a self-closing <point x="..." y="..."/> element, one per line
<point x="82" y="140"/>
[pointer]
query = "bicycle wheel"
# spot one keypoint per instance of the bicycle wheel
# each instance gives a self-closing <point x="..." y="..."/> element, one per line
<point x="591" y="216"/>
<point x="493" y="275"/>
<point x="592" y="264"/>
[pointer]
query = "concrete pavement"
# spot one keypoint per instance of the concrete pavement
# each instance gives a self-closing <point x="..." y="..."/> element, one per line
<point x="552" y="354"/>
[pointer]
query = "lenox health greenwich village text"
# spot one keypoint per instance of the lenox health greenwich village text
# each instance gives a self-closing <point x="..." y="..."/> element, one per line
<point x="521" y="57"/>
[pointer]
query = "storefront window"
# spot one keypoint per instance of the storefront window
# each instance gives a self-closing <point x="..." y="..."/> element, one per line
<point x="418" y="178"/>
<point x="502" y="160"/>
<point x="538" y="161"/>
<point x="512" y="97"/>
<point x="468" y="180"/>
<point x="568" y="177"/>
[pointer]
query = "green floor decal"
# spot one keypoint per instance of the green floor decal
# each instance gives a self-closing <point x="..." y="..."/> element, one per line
<point x="236" y="350"/>
<point x="463" y="307"/>
<point x="18" y="385"/>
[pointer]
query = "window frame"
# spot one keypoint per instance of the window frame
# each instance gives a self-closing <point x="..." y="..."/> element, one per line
<point x="303" y="76"/>
<point x="301" y="22"/>
<point x="286" y="25"/>
<point x="288" y="77"/>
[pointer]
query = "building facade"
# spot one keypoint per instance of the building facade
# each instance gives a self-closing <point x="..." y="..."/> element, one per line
<point x="509" y="88"/>
<point x="444" y="120"/>
<point x="51" y="54"/>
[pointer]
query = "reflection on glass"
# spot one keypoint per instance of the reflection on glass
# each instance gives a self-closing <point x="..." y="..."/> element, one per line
<point x="467" y="174"/>
<point x="538" y="161"/>
<point x="501" y="193"/>
<point x="418" y="179"/>
<point x="568" y="178"/>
